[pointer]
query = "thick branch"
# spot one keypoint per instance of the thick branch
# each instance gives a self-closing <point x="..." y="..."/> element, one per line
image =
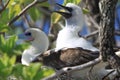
<point x="107" y="9"/>
<point x="72" y="69"/>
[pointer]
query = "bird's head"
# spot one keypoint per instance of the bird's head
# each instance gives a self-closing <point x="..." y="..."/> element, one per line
<point x="34" y="35"/>
<point x="73" y="15"/>
<point x="39" y="44"/>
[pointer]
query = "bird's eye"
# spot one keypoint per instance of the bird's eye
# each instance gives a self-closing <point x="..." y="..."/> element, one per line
<point x="69" y="9"/>
<point x="28" y="34"/>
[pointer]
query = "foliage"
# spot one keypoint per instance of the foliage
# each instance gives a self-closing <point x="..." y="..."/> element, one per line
<point x="9" y="67"/>
<point x="9" y="50"/>
<point x="6" y="65"/>
<point x="31" y="72"/>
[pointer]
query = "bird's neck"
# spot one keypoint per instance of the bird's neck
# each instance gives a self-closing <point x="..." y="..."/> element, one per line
<point x="70" y="31"/>
<point x="76" y="27"/>
<point x="40" y="45"/>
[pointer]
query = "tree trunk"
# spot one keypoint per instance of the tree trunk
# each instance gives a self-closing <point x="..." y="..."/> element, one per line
<point x="107" y="11"/>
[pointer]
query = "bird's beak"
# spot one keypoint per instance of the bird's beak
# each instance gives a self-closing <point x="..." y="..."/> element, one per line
<point x="25" y="38"/>
<point x="67" y="13"/>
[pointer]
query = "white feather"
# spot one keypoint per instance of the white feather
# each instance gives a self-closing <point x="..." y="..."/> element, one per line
<point x="70" y="39"/>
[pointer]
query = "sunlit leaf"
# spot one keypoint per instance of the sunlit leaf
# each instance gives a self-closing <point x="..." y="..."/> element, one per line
<point x="12" y="60"/>
<point x="6" y="65"/>
<point x="14" y="8"/>
<point x="2" y="40"/>
<point x="4" y="29"/>
<point x="56" y="17"/>
<point x="48" y="72"/>
<point x="85" y="11"/>
<point x="72" y="1"/>
<point x="34" y="13"/>
<point x="77" y="1"/>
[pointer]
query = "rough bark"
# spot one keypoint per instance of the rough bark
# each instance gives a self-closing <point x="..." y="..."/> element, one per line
<point x="107" y="10"/>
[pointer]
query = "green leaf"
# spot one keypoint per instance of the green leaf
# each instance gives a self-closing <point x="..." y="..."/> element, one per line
<point x="14" y="8"/>
<point x="6" y="65"/>
<point x="48" y="72"/>
<point x="72" y="1"/>
<point x="2" y="40"/>
<point x="8" y="45"/>
<point x="12" y="60"/>
<point x="4" y="18"/>
<point x="34" y="13"/>
<point x="56" y="17"/>
<point x="85" y="11"/>
<point x="4" y="28"/>
<point x="43" y="72"/>
<point x="17" y="70"/>
<point x="28" y="73"/>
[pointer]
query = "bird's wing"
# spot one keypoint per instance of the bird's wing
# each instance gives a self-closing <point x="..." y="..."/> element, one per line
<point x="77" y="56"/>
<point x="67" y="57"/>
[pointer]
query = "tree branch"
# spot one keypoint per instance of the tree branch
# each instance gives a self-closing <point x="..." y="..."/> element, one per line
<point x="117" y="32"/>
<point x="72" y="69"/>
<point x="91" y="34"/>
<point x="4" y="6"/>
<point x="24" y="10"/>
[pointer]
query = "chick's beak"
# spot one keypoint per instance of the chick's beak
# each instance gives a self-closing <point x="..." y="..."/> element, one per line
<point x="25" y="38"/>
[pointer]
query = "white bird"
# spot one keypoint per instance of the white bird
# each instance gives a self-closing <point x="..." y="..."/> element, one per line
<point x="68" y="37"/>
<point x="39" y="44"/>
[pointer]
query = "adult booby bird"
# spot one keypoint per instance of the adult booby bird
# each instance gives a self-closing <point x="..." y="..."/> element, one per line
<point x="68" y="37"/>
<point x="39" y="44"/>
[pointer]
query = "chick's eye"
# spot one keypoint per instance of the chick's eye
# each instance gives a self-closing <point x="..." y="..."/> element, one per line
<point x="28" y="34"/>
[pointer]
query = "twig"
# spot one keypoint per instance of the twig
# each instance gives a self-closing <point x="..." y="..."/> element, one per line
<point x="4" y="6"/>
<point x="24" y="10"/>
<point x="1" y="3"/>
<point x="91" y="20"/>
<point x="27" y="21"/>
<point x="90" y="73"/>
<point x="117" y="32"/>
<point x="2" y="33"/>
<point x="91" y="34"/>
<point x="94" y="22"/>
<point x="108" y="75"/>
<point x="72" y="69"/>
